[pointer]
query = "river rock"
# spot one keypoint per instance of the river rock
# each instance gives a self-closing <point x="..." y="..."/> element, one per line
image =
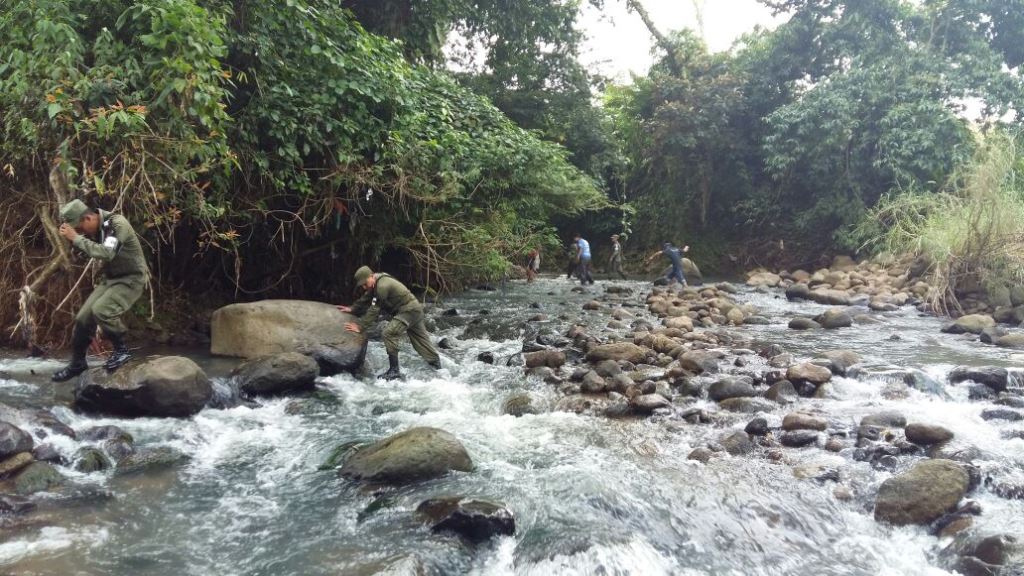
<point x="798" y="438"/>
<point x="13" y="440"/>
<point x="521" y="404"/>
<point x="37" y="477"/>
<point x="47" y="453"/>
<point x="91" y="460"/>
<point x="747" y="405"/>
<point x="798" y="291"/>
<point x="276" y="374"/>
<point x="765" y="279"/>
<point x="982" y="553"/>
<point x="684" y="323"/>
<point x="1007" y="414"/>
<point x="592" y="305"/>
<point x="731" y="387"/>
<point x="802" y="323"/>
<point x="841" y="360"/>
<point x="592" y="383"/>
<point x="156" y="386"/>
<point x="921" y="495"/>
<point x="1013" y="340"/>
<point x="701" y="454"/>
<point x="254" y="329"/>
<point x="927" y="434"/>
<point x="699" y="361"/>
<point x="619" y="351"/>
<point x="738" y="444"/>
<point x="108" y="432"/>
<point x="831" y="297"/>
<point x="810" y="373"/>
<point x="971" y="323"/>
<point x="149" y="459"/>
<point x="757" y="426"/>
<point x="44" y="422"/>
<point x="608" y="369"/>
<point x="475" y="520"/>
<point x="801" y="421"/>
<point x="332" y="359"/>
<point x="549" y="358"/>
<point x="647" y="403"/>
<point x="994" y="377"/>
<point x="420" y="453"/>
<point x="834" y="318"/>
<point x="884" y="419"/>
<point x="14" y="463"/>
<point x="782" y="392"/>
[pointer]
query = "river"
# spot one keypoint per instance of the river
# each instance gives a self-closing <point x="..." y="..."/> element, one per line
<point x="590" y="495"/>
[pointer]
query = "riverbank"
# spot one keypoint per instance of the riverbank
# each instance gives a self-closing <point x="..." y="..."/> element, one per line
<point x="597" y="473"/>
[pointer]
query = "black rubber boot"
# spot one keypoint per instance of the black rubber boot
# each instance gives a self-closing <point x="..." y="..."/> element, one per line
<point x="80" y="339"/>
<point x="121" y="354"/>
<point x="393" y="373"/>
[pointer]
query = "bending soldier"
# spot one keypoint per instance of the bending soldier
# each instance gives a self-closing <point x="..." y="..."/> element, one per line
<point x="382" y="292"/>
<point x="110" y="239"/>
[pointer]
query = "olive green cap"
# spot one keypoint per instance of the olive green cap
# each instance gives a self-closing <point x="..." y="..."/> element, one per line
<point x="72" y="212"/>
<point x="362" y="274"/>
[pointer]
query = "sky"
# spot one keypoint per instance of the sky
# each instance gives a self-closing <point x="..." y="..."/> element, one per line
<point x="618" y="42"/>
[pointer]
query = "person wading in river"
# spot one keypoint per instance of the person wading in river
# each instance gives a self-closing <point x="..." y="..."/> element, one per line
<point x="615" y="260"/>
<point x="532" y="264"/>
<point x="582" y="259"/>
<point x="675" y="255"/>
<point x="382" y="292"/>
<point x="110" y="239"/>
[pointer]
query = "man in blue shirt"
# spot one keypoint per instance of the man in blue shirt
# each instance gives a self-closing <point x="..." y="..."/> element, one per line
<point x="583" y="259"/>
<point x="676" y="256"/>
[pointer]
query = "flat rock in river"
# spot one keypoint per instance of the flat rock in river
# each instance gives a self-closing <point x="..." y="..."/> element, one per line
<point x="253" y="329"/>
<point x="922" y="494"/>
<point x="416" y="454"/>
<point x="154" y="386"/>
<point x="277" y="374"/>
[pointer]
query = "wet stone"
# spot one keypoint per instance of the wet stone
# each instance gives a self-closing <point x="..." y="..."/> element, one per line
<point x="757" y="427"/>
<point x="91" y="460"/>
<point x="1007" y="414"/>
<point x="927" y="434"/>
<point x="798" y="438"/>
<point x="475" y="520"/>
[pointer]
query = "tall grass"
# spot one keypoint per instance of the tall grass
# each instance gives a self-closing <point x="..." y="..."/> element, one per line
<point x="971" y="232"/>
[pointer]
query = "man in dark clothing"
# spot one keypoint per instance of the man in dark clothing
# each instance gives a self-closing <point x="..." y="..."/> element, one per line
<point x="675" y="255"/>
<point x="382" y="292"/>
<point x="110" y="239"/>
<point x="615" y="260"/>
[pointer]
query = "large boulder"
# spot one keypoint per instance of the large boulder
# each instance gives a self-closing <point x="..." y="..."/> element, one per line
<point x="154" y="386"/>
<point x="334" y="359"/>
<point x="765" y="279"/>
<point x="475" y="520"/>
<point x="699" y="361"/>
<point x="13" y="440"/>
<point x="971" y="323"/>
<point x="922" y="494"/>
<point x="277" y="374"/>
<point x="254" y="329"/>
<point x="416" y="454"/>
<point x="619" y="351"/>
<point x="994" y="377"/>
<point x="829" y="296"/>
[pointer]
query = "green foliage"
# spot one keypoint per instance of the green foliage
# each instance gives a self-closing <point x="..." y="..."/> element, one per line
<point x="972" y="231"/>
<point x="242" y="119"/>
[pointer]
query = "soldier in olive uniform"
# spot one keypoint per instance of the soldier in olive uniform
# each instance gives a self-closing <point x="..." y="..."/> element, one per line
<point x="382" y="292"/>
<point x="110" y="239"/>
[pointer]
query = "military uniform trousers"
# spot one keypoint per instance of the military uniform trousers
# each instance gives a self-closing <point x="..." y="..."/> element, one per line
<point x="410" y="323"/>
<point x="109" y="300"/>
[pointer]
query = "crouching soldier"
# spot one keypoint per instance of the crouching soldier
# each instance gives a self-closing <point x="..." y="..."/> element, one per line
<point x="110" y="239"/>
<point x="382" y="292"/>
